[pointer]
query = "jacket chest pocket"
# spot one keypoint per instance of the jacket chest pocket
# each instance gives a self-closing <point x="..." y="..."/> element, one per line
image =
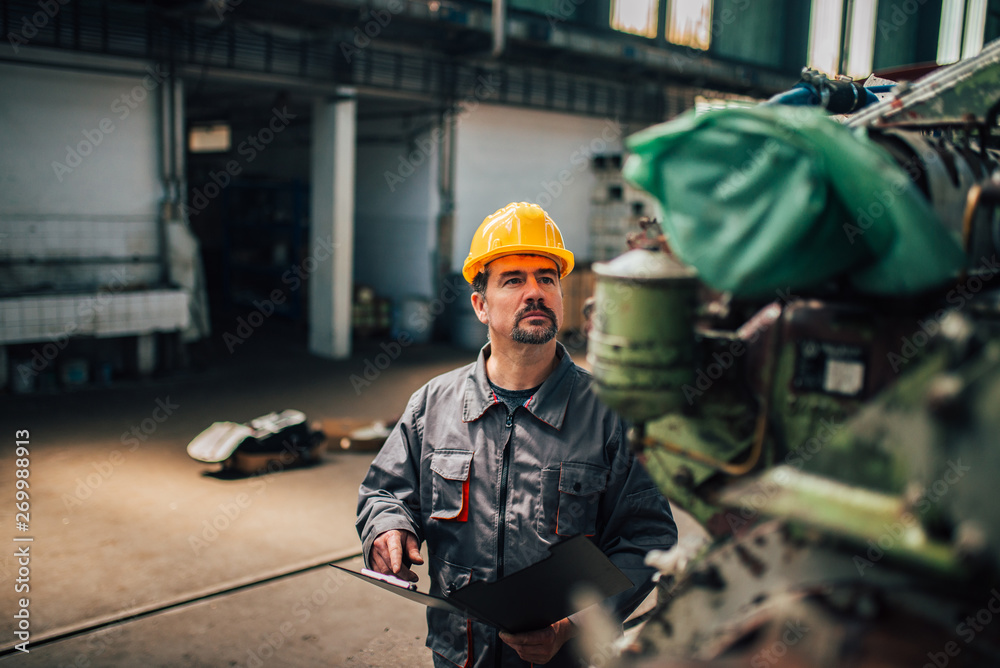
<point x="570" y="497"/>
<point x="450" y="485"/>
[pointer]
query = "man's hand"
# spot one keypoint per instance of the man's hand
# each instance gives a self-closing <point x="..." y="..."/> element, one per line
<point x="540" y="646"/>
<point x="393" y="552"/>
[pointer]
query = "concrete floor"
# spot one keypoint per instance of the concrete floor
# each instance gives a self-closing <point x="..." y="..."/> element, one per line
<point x="135" y="538"/>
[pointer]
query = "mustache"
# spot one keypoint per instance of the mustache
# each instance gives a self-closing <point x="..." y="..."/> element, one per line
<point x="532" y="306"/>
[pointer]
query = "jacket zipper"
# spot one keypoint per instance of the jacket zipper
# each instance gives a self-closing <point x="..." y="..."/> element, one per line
<point x="502" y="527"/>
<point x="504" y="472"/>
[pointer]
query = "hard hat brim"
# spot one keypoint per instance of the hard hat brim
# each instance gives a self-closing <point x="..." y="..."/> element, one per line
<point x="562" y="257"/>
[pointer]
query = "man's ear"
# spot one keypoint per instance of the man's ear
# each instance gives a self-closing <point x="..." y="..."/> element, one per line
<point x="479" y="304"/>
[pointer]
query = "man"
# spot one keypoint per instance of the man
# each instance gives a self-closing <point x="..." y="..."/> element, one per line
<point x="497" y="461"/>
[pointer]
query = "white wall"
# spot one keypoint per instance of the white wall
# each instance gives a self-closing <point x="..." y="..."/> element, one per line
<point x="396" y="217"/>
<point x="504" y="155"/>
<point x="508" y="155"/>
<point x="58" y="202"/>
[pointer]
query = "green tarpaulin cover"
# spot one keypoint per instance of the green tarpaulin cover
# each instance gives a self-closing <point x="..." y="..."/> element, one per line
<point x="766" y="198"/>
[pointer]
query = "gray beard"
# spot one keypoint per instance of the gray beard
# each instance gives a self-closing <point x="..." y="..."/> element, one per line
<point x="524" y="336"/>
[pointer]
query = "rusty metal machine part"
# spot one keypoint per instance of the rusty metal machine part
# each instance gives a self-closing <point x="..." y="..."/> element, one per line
<point x="948" y="168"/>
<point x="778" y="596"/>
<point x="841" y="450"/>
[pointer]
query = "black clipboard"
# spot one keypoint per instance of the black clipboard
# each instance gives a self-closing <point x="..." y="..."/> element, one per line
<point x="531" y="598"/>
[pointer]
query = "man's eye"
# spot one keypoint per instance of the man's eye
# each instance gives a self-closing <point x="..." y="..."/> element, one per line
<point x="548" y="279"/>
<point x="511" y="280"/>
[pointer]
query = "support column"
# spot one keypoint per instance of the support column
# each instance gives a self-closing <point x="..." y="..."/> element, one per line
<point x="331" y="285"/>
<point x="446" y="191"/>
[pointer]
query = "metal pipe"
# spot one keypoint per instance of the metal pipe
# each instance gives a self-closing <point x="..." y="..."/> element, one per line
<point x="977" y="195"/>
<point x="760" y="431"/>
<point x="179" y="144"/>
<point x="499" y="27"/>
<point x="167" y="166"/>
<point x="166" y="152"/>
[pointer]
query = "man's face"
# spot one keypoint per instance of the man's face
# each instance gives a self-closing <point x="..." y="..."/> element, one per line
<point x="523" y="299"/>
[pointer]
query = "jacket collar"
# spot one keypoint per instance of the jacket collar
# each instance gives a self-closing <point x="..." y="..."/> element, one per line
<point x="548" y="404"/>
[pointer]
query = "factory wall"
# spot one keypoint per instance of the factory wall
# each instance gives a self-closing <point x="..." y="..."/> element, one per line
<point x="79" y="176"/>
<point x="773" y="33"/>
<point x="396" y="208"/>
<point x="506" y="154"/>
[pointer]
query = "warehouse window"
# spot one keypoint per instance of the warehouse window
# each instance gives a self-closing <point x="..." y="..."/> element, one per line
<point x="689" y="23"/>
<point x="214" y="138"/>
<point x="637" y="17"/>
<point x="861" y="39"/>
<point x="824" y="35"/>
<point x="975" y="28"/>
<point x="963" y="25"/>
<point x="950" y="35"/>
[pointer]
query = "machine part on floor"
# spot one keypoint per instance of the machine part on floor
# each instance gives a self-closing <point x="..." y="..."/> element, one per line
<point x="356" y="435"/>
<point x="810" y="356"/>
<point x="370" y="438"/>
<point x="269" y="443"/>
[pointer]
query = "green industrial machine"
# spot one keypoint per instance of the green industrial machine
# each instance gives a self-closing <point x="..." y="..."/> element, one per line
<point x="808" y="351"/>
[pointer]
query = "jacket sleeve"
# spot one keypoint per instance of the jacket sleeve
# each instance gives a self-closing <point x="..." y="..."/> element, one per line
<point x="636" y="519"/>
<point x="389" y="497"/>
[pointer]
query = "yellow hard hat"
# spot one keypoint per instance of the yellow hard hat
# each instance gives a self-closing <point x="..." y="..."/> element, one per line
<point x="519" y="228"/>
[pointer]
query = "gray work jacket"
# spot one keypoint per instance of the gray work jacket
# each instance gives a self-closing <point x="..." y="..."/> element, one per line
<point x="491" y="492"/>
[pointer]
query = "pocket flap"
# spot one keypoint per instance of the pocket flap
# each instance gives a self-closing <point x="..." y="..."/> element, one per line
<point x="582" y="479"/>
<point x="452" y="464"/>
<point x="451" y="577"/>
